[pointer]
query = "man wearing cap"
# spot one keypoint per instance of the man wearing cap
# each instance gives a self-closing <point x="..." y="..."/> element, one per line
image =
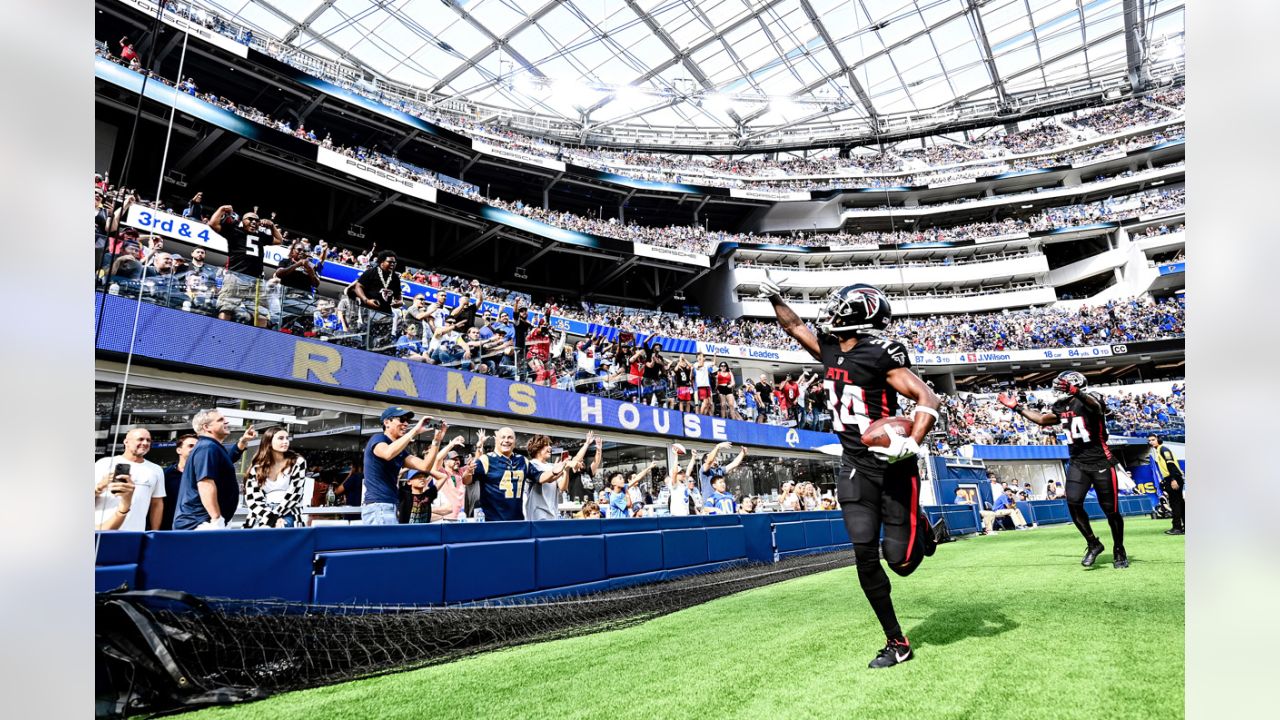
<point x="384" y="455"/>
<point x="501" y="474"/>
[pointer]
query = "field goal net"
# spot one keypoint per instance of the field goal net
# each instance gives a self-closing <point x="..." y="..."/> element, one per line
<point x="160" y="651"/>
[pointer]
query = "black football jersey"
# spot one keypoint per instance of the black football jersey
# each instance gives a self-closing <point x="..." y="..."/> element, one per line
<point x="857" y="386"/>
<point x="1086" y="431"/>
<point x="244" y="251"/>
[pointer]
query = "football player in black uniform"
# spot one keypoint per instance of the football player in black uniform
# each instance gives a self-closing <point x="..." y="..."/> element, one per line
<point x="1083" y="418"/>
<point x="864" y="373"/>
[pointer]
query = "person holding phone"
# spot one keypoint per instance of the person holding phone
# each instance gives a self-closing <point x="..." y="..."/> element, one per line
<point x="385" y="454"/>
<point x="125" y="482"/>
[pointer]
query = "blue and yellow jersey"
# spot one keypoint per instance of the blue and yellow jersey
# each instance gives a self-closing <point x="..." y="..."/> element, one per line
<point x="719" y="503"/>
<point x="502" y="485"/>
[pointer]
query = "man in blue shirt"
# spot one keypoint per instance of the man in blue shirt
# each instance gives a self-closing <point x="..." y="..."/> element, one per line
<point x="210" y="492"/>
<point x="711" y="469"/>
<point x="720" y="502"/>
<point x="1005" y="506"/>
<point x="501" y="474"/>
<point x="384" y="455"/>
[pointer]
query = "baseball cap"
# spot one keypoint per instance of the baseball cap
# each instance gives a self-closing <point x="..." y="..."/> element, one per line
<point x="453" y="455"/>
<point x="396" y="411"/>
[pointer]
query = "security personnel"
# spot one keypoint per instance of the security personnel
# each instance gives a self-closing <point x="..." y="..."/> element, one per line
<point x="1171" y="483"/>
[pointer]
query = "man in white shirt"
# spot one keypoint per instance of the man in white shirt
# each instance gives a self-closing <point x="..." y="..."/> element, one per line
<point x="147" y="505"/>
<point x="678" y="486"/>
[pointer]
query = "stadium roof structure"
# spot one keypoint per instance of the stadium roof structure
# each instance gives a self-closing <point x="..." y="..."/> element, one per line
<point x="734" y="73"/>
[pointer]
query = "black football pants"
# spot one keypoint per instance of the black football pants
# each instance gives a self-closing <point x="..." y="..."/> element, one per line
<point x="1105" y="484"/>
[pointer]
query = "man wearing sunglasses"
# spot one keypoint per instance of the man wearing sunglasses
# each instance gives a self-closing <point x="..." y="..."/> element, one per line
<point x="244" y="262"/>
<point x="385" y="454"/>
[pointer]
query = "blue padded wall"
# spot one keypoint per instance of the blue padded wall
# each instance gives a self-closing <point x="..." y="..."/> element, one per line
<point x="477" y="570"/>
<point x="726" y="542"/>
<point x="817" y="533"/>
<point x="117" y="548"/>
<point x="364" y="537"/>
<point x="789" y="536"/>
<point x="247" y="564"/>
<point x="110" y="577"/>
<point x="569" y="561"/>
<point x="632" y="553"/>
<point x="396" y="576"/>
<point x="683" y="548"/>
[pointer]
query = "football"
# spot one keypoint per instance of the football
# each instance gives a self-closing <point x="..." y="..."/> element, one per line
<point x="877" y="433"/>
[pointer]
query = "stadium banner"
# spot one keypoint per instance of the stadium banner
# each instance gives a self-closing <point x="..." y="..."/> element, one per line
<point x="1104" y="157"/>
<point x="747" y="352"/>
<point x="775" y="195"/>
<point x="169" y="96"/>
<point x="172" y="337"/>
<point x="521" y="156"/>
<point x="1173" y="268"/>
<point x="357" y="99"/>
<point x="663" y="253"/>
<point x="374" y="174"/>
<point x="995" y="356"/>
<point x="950" y="183"/>
<point x="641" y="184"/>
<point x="196" y="30"/>
<point x="1001" y="238"/>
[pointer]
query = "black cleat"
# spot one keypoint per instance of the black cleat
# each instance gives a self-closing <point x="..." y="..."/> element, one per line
<point x="1119" y="559"/>
<point x="894" y="652"/>
<point x="1175" y="531"/>
<point x="1095" y="549"/>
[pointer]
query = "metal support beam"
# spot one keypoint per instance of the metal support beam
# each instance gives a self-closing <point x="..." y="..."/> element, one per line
<point x="220" y="158"/>
<point x="315" y="102"/>
<point x="462" y="174"/>
<point x="470" y="245"/>
<point x="296" y="30"/>
<point x="861" y="92"/>
<point x="698" y="210"/>
<point x="987" y="56"/>
<point x="666" y="297"/>
<point x="1135" y="45"/>
<point x="495" y="43"/>
<point x="404" y="141"/>
<point x="386" y="203"/>
<point x="341" y="52"/>
<point x="613" y="274"/>
<point x="196" y="150"/>
<point x="538" y="255"/>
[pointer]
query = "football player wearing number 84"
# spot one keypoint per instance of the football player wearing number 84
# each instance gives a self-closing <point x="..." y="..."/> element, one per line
<point x="1083" y="418"/>
<point x="864" y="373"/>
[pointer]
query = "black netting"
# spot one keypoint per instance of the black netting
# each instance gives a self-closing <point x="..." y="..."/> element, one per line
<point x="161" y="651"/>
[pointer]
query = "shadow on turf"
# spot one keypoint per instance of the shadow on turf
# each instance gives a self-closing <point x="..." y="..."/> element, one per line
<point x="958" y="622"/>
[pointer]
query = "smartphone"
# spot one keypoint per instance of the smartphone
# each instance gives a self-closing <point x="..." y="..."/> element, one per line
<point x="120" y="469"/>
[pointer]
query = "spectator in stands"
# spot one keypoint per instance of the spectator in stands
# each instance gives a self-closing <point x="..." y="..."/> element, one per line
<point x="590" y="511"/>
<point x="299" y="280"/>
<point x="546" y="479"/>
<point x="328" y="321"/>
<point x="195" y="208"/>
<point x="720" y="502"/>
<point x="113" y="501"/>
<point x="501" y="475"/>
<point x="682" y="378"/>
<point x="702" y="380"/>
<point x="748" y="505"/>
<point x="127" y="53"/>
<point x="1005" y="506"/>
<point x="199" y="281"/>
<point x="711" y="470"/>
<point x="384" y="455"/>
<point x="618" y="504"/>
<point x="408" y="346"/>
<point x="725" y="384"/>
<point x="449" y="472"/>
<point x="350" y="491"/>
<point x="210" y="491"/>
<point x="419" y="492"/>
<point x="276" y="482"/>
<point x="244" y="262"/>
<point x="378" y="288"/>
<point x="173" y="478"/>
<point x="789" y="499"/>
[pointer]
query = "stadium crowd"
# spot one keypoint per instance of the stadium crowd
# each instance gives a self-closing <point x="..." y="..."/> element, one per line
<point x="994" y="152"/>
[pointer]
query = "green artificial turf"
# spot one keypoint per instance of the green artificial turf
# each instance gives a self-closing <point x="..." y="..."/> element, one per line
<point x="1007" y="626"/>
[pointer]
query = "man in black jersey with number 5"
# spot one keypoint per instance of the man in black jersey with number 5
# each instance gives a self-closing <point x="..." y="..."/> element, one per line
<point x="863" y="375"/>
<point x="1083" y="419"/>
<point x="243" y="282"/>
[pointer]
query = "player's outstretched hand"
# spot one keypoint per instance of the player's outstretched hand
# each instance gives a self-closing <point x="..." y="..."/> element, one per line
<point x="900" y="448"/>
<point x="1007" y="400"/>
<point x="769" y="287"/>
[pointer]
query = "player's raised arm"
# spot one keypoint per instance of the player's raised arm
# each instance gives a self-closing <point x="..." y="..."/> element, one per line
<point x="790" y="321"/>
<point x="1040" y="418"/>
